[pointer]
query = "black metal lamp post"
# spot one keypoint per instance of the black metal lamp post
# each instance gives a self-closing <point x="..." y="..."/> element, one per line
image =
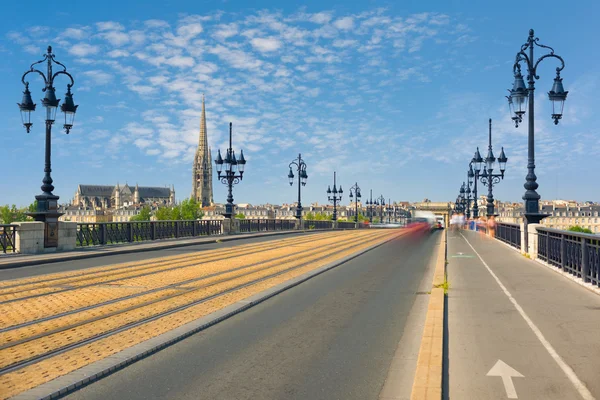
<point x="488" y="177"/>
<point x="370" y="206"/>
<point x="47" y="206"/>
<point x="335" y="196"/>
<point x="300" y="167"/>
<point x="380" y="202"/>
<point x="388" y="211"/>
<point x="355" y="193"/>
<point x="519" y="95"/>
<point x="473" y="177"/>
<point x="233" y="174"/>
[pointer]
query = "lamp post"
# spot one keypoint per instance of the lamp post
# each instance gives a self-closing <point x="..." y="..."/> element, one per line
<point x="355" y="193"/>
<point x="487" y="177"/>
<point x="517" y="101"/>
<point x="332" y="195"/>
<point x="388" y="211"/>
<point x="380" y="202"/>
<point x="370" y="206"/>
<point x="300" y="167"/>
<point x="47" y="202"/>
<point x="233" y="174"/>
<point x="472" y="178"/>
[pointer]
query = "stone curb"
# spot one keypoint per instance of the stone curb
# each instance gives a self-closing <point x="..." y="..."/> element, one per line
<point x="77" y="379"/>
<point x="427" y="384"/>
<point x="111" y="250"/>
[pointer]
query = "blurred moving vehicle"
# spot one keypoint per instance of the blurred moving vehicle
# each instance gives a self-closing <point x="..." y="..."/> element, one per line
<point x="440" y="221"/>
<point x="426" y="218"/>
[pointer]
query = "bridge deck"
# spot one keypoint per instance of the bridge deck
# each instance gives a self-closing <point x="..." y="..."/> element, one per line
<point x="51" y="325"/>
<point x="503" y="306"/>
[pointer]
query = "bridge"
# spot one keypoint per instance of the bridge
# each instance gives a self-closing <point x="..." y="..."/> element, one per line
<point x="272" y="311"/>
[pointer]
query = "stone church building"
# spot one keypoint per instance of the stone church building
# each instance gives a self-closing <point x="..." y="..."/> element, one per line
<point x="202" y="189"/>
<point x="107" y="197"/>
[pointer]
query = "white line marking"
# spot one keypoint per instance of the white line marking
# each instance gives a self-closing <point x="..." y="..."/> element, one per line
<point x="506" y="372"/>
<point x="581" y="388"/>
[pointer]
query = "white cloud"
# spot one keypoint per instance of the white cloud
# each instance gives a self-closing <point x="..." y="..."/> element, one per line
<point x="225" y="31"/>
<point x="109" y="26"/>
<point x="190" y="31"/>
<point x="153" y="152"/>
<point x="156" y="23"/>
<point x="266" y="45"/>
<point x="321" y="18"/>
<point x="344" y="24"/>
<point x="99" y="77"/>
<point x="116" y="38"/>
<point x="32" y="49"/>
<point x="83" y="50"/>
<point x="118" y="53"/>
<point x="236" y="58"/>
<point x="181" y="62"/>
<point x="136" y="129"/>
<point x="345" y="43"/>
<point x="75" y="33"/>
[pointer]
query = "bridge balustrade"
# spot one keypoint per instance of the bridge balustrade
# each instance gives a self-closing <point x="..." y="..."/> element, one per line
<point x="509" y="234"/>
<point x="7" y="238"/>
<point x="101" y="233"/>
<point x="575" y="253"/>
<point x="266" y="225"/>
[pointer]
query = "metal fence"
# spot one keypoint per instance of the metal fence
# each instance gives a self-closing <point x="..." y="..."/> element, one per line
<point x="323" y="224"/>
<point x="575" y="253"/>
<point x="100" y="233"/>
<point x="346" y="225"/>
<point x="7" y="238"/>
<point x="509" y="233"/>
<point x="265" y="225"/>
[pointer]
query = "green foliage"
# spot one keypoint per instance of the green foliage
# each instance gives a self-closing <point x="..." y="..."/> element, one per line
<point x="578" y="228"/>
<point x="33" y="206"/>
<point x="144" y="215"/>
<point x="317" y="217"/>
<point x="239" y="216"/>
<point x="188" y="209"/>
<point x="10" y="214"/>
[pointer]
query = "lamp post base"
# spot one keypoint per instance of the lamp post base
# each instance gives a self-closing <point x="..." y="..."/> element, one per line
<point x="534" y="218"/>
<point x="47" y="213"/>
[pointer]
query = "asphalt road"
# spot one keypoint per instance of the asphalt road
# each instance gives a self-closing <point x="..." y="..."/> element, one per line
<point x="487" y="326"/>
<point x="63" y="266"/>
<point x="332" y="337"/>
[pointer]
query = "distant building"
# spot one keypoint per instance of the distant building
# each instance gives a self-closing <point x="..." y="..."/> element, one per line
<point x="107" y="197"/>
<point x="562" y="216"/>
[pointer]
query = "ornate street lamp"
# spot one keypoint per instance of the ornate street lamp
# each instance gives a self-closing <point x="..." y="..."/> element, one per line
<point x="334" y="196"/>
<point x="518" y="99"/>
<point x="488" y="177"/>
<point x="300" y="167"/>
<point x="355" y="193"/>
<point x="233" y="174"/>
<point x="370" y="205"/>
<point x="380" y="202"/>
<point x="47" y="202"/>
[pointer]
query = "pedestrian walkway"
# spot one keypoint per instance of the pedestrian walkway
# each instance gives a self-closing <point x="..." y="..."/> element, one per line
<point x="516" y="329"/>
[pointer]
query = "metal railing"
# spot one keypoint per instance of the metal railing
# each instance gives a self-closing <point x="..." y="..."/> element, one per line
<point x="266" y="225"/>
<point x="322" y="224"/>
<point x="101" y="233"/>
<point x="346" y="225"/>
<point x="7" y="238"/>
<point x="509" y="233"/>
<point x="575" y="253"/>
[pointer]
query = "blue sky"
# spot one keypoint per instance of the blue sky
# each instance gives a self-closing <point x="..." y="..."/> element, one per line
<point x="393" y="95"/>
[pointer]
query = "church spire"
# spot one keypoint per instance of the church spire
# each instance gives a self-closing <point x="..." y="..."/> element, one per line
<point x="202" y="167"/>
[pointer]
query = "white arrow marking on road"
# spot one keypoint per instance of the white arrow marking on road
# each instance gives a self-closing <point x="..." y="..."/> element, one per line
<point x="506" y="372"/>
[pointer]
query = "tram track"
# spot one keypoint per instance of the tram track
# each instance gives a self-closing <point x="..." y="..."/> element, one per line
<point x="128" y="268"/>
<point x="320" y="254"/>
<point x="6" y="342"/>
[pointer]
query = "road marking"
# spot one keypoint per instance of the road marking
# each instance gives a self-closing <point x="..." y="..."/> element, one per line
<point x="579" y="386"/>
<point x="506" y="372"/>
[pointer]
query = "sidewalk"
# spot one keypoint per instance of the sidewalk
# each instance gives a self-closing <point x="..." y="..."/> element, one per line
<point x="22" y="260"/>
<point x="517" y="329"/>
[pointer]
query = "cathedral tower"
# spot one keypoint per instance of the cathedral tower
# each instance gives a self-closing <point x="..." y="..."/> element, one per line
<point x="202" y="190"/>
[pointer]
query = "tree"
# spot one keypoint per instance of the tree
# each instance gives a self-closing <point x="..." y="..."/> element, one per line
<point x="33" y="206"/>
<point x="144" y="215"/>
<point x="239" y="216"/>
<point x="580" y="229"/>
<point x="11" y="214"/>
<point x="163" y="214"/>
<point x="309" y="216"/>
<point x="189" y="210"/>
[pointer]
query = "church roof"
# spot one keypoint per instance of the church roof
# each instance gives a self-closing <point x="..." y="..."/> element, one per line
<point x="96" y="190"/>
<point x="147" y="192"/>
